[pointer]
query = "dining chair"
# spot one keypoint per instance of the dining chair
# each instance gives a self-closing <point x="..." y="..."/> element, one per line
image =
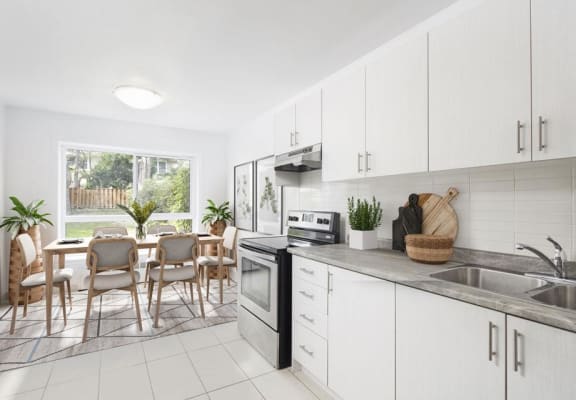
<point x="110" y="230"/>
<point x="111" y="263"/>
<point x="27" y="280"/>
<point x="209" y="264"/>
<point x="171" y="251"/>
<point x="152" y="260"/>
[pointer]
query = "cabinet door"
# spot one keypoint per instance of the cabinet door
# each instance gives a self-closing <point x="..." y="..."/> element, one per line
<point x="360" y="336"/>
<point x="443" y="349"/>
<point x="480" y="86"/>
<point x="554" y="78"/>
<point x="343" y="127"/>
<point x="397" y="110"/>
<point x="284" y="122"/>
<point x="545" y="361"/>
<point x="309" y="120"/>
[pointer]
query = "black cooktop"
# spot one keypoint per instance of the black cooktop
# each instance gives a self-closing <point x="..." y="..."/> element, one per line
<point x="275" y="243"/>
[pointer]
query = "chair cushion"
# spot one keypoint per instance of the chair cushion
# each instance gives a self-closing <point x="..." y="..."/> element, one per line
<point x="111" y="280"/>
<point x="212" y="261"/>
<point x="173" y="274"/>
<point x="59" y="276"/>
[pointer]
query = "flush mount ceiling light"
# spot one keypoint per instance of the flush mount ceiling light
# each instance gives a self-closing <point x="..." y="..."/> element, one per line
<point x="139" y="98"/>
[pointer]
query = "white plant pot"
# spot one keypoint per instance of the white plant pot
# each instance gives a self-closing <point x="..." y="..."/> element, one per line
<point x="363" y="240"/>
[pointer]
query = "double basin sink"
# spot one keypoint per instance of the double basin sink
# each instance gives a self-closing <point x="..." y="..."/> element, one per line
<point x="563" y="296"/>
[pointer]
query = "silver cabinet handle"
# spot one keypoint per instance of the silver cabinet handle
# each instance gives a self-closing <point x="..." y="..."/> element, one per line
<point x="307" y="318"/>
<point x="519" y="127"/>
<point x="491" y="352"/>
<point x="296" y="138"/>
<point x="517" y="362"/>
<point x="541" y="122"/>
<point x="306" y="294"/>
<point x="305" y="350"/>
<point x="360" y="162"/>
<point x="330" y="282"/>
<point x="367" y="164"/>
<point x="307" y="271"/>
<point x="291" y="138"/>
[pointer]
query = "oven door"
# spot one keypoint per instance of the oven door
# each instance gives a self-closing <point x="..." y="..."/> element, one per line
<point x="259" y="285"/>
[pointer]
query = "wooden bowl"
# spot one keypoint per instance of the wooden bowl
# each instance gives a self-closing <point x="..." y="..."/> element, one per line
<point x="429" y="249"/>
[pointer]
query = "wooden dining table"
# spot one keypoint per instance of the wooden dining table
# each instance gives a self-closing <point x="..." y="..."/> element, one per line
<point x="61" y="250"/>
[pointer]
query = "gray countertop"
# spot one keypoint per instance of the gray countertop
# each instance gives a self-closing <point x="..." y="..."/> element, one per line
<point x="396" y="267"/>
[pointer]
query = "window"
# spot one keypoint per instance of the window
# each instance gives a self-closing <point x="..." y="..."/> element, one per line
<point x="96" y="181"/>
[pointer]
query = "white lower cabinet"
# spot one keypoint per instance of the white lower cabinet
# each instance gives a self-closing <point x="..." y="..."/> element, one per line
<point x="447" y="349"/>
<point x="360" y="336"/>
<point x="541" y="361"/>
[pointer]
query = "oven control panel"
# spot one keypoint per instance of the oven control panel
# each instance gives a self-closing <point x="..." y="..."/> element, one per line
<point x="313" y="220"/>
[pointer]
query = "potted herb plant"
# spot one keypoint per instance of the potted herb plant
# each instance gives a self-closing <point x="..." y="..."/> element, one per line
<point x="364" y="218"/>
<point x="27" y="219"/>
<point x="140" y="213"/>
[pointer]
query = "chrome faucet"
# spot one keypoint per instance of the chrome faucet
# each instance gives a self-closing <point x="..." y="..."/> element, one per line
<point x="557" y="263"/>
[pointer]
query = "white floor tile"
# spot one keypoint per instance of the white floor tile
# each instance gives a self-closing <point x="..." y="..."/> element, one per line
<point x="282" y="385"/>
<point x="85" y="388"/>
<point x="174" y="378"/>
<point x="35" y="395"/>
<point x="24" y="379"/>
<point x="251" y="362"/>
<point x="245" y="391"/>
<point x="162" y="347"/>
<point x="198" y="339"/>
<point x="216" y="368"/>
<point x="72" y="368"/>
<point x="203" y="397"/>
<point x="123" y="356"/>
<point x="226" y="332"/>
<point x="125" y="383"/>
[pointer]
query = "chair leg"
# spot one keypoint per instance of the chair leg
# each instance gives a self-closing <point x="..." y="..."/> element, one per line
<point x="26" y="296"/>
<point x="228" y="275"/>
<point x="146" y="274"/>
<point x="14" y="310"/>
<point x="87" y="317"/>
<point x="198" y="287"/>
<point x="158" y="301"/>
<point x="191" y="292"/>
<point x="69" y="294"/>
<point x="150" y="292"/>
<point x="207" y="284"/>
<point x="137" y="304"/>
<point x="62" y="293"/>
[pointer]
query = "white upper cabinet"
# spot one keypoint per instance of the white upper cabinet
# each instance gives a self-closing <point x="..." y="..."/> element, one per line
<point x="554" y="78"/>
<point x="397" y="109"/>
<point x="284" y="128"/>
<point x="480" y="86"/>
<point x="308" y="120"/>
<point x="343" y="126"/>
<point x="541" y="361"/>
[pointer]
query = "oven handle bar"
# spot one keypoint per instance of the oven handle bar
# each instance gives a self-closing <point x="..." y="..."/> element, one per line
<point x="257" y="254"/>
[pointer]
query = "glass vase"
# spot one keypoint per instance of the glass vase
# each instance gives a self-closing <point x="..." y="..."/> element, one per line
<point x="140" y="232"/>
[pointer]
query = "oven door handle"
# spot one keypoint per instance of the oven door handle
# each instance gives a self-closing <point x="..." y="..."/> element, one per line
<point x="257" y="255"/>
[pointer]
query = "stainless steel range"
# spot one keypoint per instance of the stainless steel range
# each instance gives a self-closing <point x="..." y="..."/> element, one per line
<point x="265" y="299"/>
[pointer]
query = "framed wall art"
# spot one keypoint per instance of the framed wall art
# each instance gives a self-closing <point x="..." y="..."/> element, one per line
<point x="268" y="201"/>
<point x="244" y="196"/>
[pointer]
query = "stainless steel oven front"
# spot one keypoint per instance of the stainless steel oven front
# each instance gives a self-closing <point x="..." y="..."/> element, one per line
<point x="259" y="285"/>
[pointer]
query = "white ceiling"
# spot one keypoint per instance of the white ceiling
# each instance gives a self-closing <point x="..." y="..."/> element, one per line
<point x="219" y="63"/>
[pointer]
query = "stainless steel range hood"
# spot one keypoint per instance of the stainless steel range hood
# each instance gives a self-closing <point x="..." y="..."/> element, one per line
<point x="301" y="160"/>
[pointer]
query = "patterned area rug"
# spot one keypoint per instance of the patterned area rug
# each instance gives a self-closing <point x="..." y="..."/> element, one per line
<point x="112" y="323"/>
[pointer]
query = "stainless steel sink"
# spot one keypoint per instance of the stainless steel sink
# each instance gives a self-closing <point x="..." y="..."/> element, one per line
<point x="491" y="280"/>
<point x="559" y="296"/>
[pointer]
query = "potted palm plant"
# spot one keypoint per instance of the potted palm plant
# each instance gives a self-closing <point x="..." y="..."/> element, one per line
<point x="140" y="213"/>
<point x="364" y="218"/>
<point x="216" y="217"/>
<point x="26" y="219"/>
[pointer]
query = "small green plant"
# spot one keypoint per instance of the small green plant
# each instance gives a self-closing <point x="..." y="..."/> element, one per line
<point x="140" y="214"/>
<point x="25" y="218"/>
<point x="364" y="216"/>
<point x="215" y="213"/>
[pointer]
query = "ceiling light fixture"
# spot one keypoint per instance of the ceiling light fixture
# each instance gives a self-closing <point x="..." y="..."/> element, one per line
<point x="139" y="98"/>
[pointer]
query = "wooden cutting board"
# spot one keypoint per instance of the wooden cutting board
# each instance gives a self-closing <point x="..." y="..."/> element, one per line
<point x="439" y="216"/>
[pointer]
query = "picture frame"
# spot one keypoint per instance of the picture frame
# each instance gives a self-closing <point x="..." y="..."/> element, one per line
<point x="268" y="202"/>
<point x="244" y="196"/>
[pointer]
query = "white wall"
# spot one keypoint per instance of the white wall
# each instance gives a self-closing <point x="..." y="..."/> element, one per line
<point x="32" y="153"/>
<point x="3" y="241"/>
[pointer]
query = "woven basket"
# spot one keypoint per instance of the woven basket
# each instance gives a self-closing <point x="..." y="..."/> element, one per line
<point x="429" y="249"/>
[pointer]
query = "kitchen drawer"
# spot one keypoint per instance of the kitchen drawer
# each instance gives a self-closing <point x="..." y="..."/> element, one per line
<point x="311" y="296"/>
<point x="313" y="319"/>
<point x="311" y="351"/>
<point x="311" y="271"/>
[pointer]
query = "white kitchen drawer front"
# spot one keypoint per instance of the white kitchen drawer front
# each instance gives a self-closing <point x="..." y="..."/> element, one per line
<point x="311" y="351"/>
<point x="311" y="296"/>
<point x="313" y="319"/>
<point x="311" y="271"/>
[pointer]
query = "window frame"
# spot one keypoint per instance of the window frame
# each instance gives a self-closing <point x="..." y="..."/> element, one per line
<point x="63" y="218"/>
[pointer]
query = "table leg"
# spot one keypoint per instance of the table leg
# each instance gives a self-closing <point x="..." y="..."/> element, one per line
<point x="49" y="260"/>
<point x="61" y="260"/>
<point x="221" y="272"/>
